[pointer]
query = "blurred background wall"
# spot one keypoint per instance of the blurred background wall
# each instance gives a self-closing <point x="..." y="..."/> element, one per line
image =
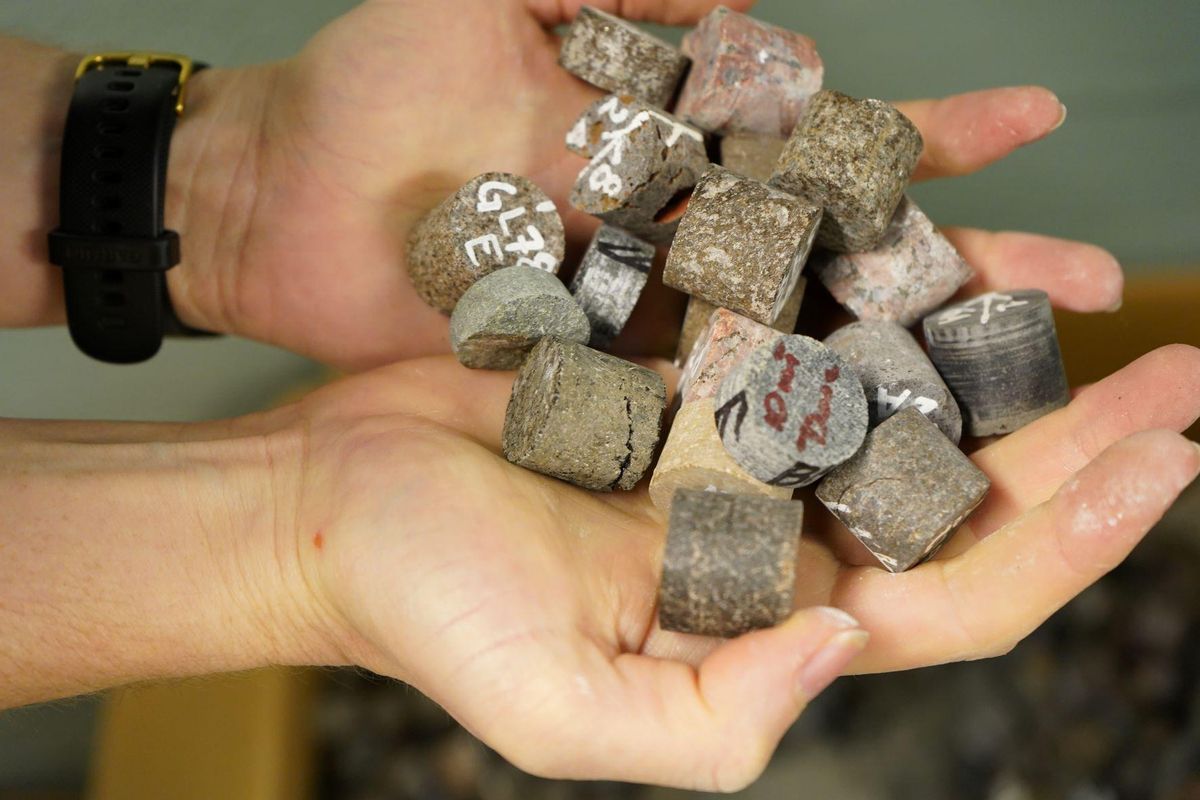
<point x="1122" y="172"/>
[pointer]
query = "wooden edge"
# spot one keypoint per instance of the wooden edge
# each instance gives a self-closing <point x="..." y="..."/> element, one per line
<point x="247" y="735"/>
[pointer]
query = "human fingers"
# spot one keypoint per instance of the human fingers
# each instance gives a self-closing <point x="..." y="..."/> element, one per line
<point x="965" y="132"/>
<point x="666" y="12"/>
<point x="984" y="601"/>
<point x="713" y="728"/>
<point x="1077" y="276"/>
<point x="1159" y="390"/>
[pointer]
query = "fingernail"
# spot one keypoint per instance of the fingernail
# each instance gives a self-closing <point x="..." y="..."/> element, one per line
<point x="839" y="618"/>
<point x="1062" y="117"/>
<point x="829" y="662"/>
<point x="1115" y="307"/>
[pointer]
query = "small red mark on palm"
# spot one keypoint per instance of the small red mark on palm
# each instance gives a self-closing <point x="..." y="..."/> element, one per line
<point x="319" y="540"/>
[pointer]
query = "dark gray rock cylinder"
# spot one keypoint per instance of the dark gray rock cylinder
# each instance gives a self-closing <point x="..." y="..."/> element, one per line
<point x="999" y="354"/>
<point x="905" y="491"/>
<point x="504" y="314"/>
<point x="895" y="373"/>
<point x="730" y="563"/>
<point x="790" y="411"/>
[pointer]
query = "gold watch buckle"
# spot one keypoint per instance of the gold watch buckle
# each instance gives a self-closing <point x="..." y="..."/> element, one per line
<point x="142" y="60"/>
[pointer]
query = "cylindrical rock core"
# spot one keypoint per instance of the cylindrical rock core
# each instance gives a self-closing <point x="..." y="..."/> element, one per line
<point x="905" y="491"/>
<point x="895" y="373"/>
<point x="615" y="55"/>
<point x="913" y="270"/>
<point x="741" y="245"/>
<point x="700" y="311"/>
<point x="641" y="171"/>
<point x="725" y="341"/>
<point x="599" y="121"/>
<point x="584" y="416"/>
<point x="853" y="158"/>
<point x="730" y="563"/>
<point x="610" y="280"/>
<point x="694" y="458"/>
<point x="999" y="354"/>
<point x="791" y="411"/>
<point x="496" y="220"/>
<point x="747" y="75"/>
<point x="505" y="313"/>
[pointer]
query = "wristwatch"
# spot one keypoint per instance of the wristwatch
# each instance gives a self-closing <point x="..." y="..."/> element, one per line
<point x="110" y="240"/>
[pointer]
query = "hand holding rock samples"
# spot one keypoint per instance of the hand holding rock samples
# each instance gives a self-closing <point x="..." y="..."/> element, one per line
<point x="761" y="410"/>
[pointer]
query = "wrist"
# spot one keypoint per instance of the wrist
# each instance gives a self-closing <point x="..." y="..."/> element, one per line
<point x="126" y="558"/>
<point x="212" y="190"/>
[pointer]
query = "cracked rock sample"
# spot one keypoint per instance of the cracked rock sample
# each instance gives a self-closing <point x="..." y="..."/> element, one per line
<point x="747" y="75"/>
<point x="725" y="341"/>
<point x="504" y="314"/>
<point x="853" y="158"/>
<point x="751" y="154"/>
<point x="585" y="417"/>
<point x="619" y="57"/>
<point x="730" y="563"/>
<point x="610" y="280"/>
<point x="905" y="491"/>
<point x="635" y="180"/>
<point x="700" y="311"/>
<point x="895" y="373"/>
<point x="496" y="220"/>
<point x="741" y="245"/>
<point x="597" y="124"/>
<point x="694" y="458"/>
<point x="999" y="354"/>
<point x="790" y="411"/>
<point x="912" y="271"/>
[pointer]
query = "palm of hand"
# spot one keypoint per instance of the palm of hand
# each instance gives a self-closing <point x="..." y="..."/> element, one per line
<point x="387" y="111"/>
<point x="527" y="607"/>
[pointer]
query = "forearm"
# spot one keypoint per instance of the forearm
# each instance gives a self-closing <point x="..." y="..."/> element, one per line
<point x="124" y="558"/>
<point x="34" y="90"/>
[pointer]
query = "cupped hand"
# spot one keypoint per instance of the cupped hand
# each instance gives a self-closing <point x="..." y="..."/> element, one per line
<point x="300" y="181"/>
<point x="526" y="606"/>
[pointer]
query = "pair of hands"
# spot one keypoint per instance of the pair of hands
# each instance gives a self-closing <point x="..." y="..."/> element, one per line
<point x="526" y="606"/>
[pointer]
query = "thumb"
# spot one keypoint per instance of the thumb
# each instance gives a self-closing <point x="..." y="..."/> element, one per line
<point x="716" y="728"/>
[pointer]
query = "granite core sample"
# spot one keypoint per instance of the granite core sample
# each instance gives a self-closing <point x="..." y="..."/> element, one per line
<point x="585" y="417"/>
<point x="895" y="373"/>
<point x="644" y="166"/>
<point x="699" y="311"/>
<point x="792" y="410"/>
<point x="598" y="123"/>
<point x="999" y="354"/>
<point x="694" y="458"/>
<point x="730" y="563"/>
<point x="616" y="56"/>
<point x="727" y="338"/>
<point x="505" y="313"/>
<point x="496" y="220"/>
<point x="905" y="491"/>
<point x="610" y="280"/>
<point x="741" y="245"/>
<point x="751" y="154"/>
<point x="747" y="75"/>
<point x="912" y="271"/>
<point x="853" y="158"/>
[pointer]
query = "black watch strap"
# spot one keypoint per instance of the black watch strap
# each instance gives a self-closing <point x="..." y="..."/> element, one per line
<point x="110" y="241"/>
